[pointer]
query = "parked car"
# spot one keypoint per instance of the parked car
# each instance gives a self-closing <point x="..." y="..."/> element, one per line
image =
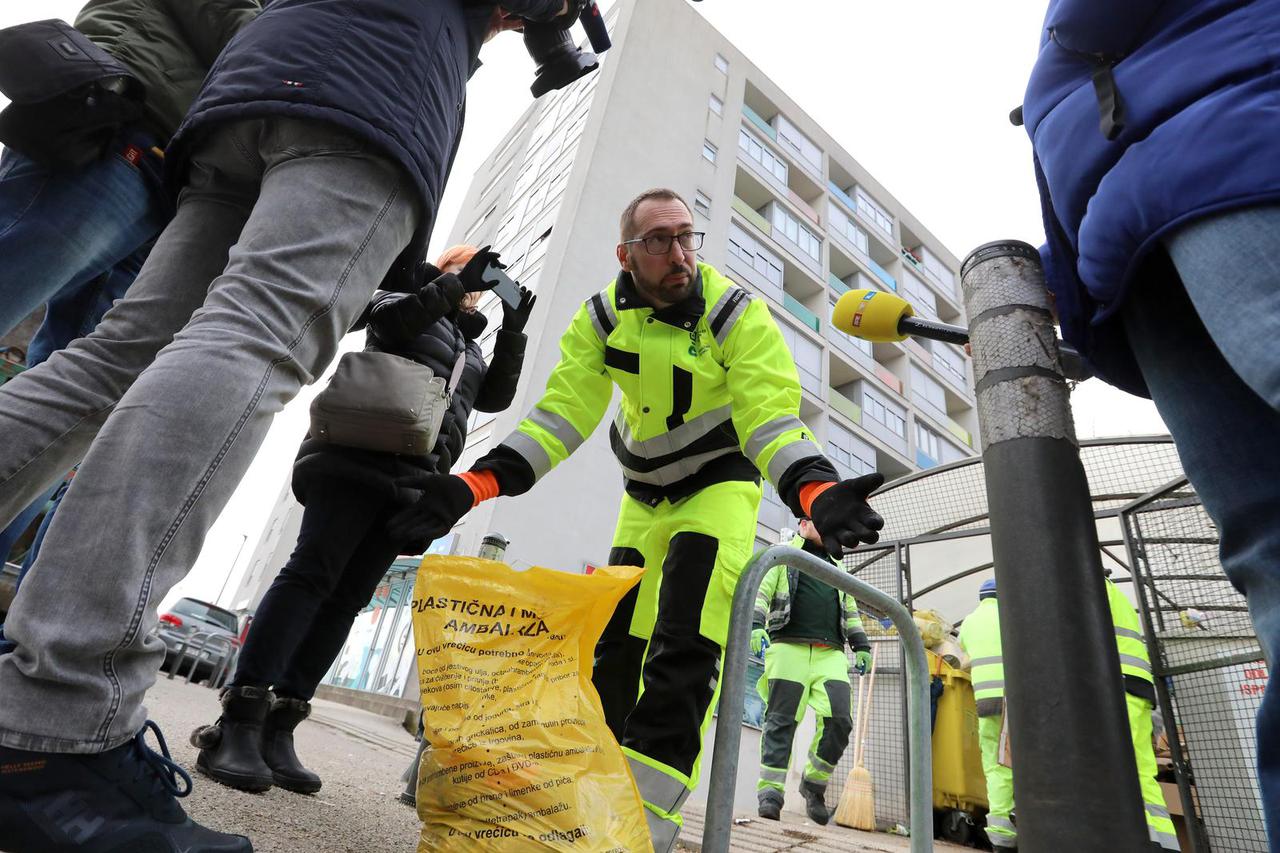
<point x="189" y="617"/>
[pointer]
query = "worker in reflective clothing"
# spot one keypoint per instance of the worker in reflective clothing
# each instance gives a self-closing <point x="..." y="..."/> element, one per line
<point x="710" y="402"/>
<point x="802" y="625"/>
<point x="980" y="638"/>
<point x="1140" y="696"/>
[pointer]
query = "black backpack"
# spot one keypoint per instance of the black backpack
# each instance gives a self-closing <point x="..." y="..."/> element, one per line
<point x="70" y="97"/>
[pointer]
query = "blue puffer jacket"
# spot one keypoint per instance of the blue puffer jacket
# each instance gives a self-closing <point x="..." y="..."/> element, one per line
<point x="1200" y="84"/>
<point x="393" y="72"/>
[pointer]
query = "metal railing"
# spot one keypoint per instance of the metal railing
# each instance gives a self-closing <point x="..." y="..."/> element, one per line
<point x="724" y="761"/>
<point x="195" y="644"/>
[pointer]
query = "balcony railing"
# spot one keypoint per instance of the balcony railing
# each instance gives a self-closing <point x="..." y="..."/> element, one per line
<point x="887" y="376"/>
<point x="837" y="284"/>
<point x="754" y="118"/>
<point x="751" y="216"/>
<point x="913" y="260"/>
<point x="806" y="316"/>
<point x="843" y="196"/>
<point x="882" y="273"/>
<point x="845" y="406"/>
<point x="924" y="460"/>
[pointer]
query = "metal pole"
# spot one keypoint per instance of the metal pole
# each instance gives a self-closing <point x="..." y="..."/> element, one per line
<point x="1074" y="770"/>
<point x="724" y="760"/>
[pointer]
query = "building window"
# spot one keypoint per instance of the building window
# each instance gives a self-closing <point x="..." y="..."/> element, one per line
<point x="757" y="258"/>
<point x="474" y="229"/>
<point x="841" y="224"/>
<point x="876" y="409"/>
<point x="852" y="456"/>
<point x="874" y="212"/>
<point x="722" y="64"/>
<point x="920" y="296"/>
<point x="717" y="105"/>
<point x="927" y="393"/>
<point x="790" y="137"/>
<point x="928" y="442"/>
<point x="708" y="151"/>
<point x="807" y="356"/>
<point x="757" y="151"/>
<point x="795" y="232"/>
<point x="702" y="203"/>
<point x="950" y="363"/>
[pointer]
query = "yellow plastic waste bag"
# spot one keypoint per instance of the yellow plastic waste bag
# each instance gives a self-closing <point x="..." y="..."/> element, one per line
<point x="518" y="755"/>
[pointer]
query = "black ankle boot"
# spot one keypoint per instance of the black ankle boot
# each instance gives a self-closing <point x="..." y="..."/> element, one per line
<point x="230" y="749"/>
<point x="277" y="746"/>
<point x="814" y="802"/>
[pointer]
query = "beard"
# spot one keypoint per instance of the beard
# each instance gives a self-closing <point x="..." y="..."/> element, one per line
<point x="662" y="292"/>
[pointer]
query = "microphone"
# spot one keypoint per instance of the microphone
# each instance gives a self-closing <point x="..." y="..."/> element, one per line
<point x="882" y="317"/>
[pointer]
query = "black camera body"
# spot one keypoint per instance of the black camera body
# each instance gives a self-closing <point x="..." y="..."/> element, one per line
<point x="559" y="60"/>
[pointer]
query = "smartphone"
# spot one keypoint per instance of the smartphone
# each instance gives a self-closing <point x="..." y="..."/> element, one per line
<point x="503" y="285"/>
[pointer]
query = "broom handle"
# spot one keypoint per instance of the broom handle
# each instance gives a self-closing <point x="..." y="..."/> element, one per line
<point x="865" y="711"/>
<point x="857" y="726"/>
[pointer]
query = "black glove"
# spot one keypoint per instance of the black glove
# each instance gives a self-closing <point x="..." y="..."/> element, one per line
<point x="843" y="517"/>
<point x="445" y="499"/>
<point x="472" y="273"/>
<point x="513" y="319"/>
<point x="442" y="296"/>
<point x="399" y="317"/>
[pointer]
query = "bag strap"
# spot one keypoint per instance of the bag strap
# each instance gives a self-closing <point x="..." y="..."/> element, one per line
<point x="456" y="376"/>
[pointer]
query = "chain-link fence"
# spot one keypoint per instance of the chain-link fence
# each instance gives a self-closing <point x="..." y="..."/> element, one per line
<point x="885" y="740"/>
<point x="935" y="552"/>
<point x="1207" y="662"/>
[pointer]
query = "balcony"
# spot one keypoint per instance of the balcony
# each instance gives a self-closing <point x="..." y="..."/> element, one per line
<point x="800" y="312"/>
<point x="882" y="274"/>
<point x="924" y="460"/>
<point x="764" y="126"/>
<point x="845" y="406"/>
<point x="838" y="285"/>
<point x="746" y="212"/>
<point x="843" y="196"/>
<point x="914" y="262"/>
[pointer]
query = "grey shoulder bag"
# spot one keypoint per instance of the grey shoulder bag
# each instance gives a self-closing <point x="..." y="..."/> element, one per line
<point x="385" y="402"/>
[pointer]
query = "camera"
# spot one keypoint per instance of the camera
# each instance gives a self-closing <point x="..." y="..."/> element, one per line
<point x="560" y="61"/>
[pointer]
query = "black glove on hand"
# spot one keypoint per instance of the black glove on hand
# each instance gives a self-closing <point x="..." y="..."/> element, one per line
<point x="399" y="317"/>
<point x="445" y="499"/>
<point x="442" y="296"/>
<point x="514" y="319"/>
<point x="844" y="518"/>
<point x="472" y="273"/>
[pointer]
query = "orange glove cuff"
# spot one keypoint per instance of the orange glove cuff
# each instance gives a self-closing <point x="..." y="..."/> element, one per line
<point x="809" y="493"/>
<point x="483" y="484"/>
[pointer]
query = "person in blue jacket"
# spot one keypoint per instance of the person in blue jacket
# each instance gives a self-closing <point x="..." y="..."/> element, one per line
<point x="310" y="165"/>
<point x="1155" y="127"/>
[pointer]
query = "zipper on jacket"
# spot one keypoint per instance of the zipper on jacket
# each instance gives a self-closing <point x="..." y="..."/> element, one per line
<point x="1111" y="113"/>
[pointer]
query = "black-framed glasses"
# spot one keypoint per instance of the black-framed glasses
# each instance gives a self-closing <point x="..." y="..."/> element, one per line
<point x="658" y="244"/>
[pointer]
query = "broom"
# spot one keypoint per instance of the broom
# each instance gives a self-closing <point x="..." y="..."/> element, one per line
<point x="857" y="802"/>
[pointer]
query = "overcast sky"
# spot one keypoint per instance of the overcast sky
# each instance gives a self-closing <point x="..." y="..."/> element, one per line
<point x="918" y="91"/>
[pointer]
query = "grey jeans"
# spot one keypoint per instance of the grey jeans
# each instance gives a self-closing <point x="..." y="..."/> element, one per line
<point x="283" y="232"/>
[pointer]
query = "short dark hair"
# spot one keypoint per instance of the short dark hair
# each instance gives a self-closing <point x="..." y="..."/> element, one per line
<point x="628" y="222"/>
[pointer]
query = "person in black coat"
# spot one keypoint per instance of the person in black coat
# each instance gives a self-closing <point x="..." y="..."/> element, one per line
<point x="343" y="548"/>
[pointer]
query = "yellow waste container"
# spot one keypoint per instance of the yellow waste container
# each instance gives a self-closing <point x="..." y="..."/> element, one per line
<point x="958" y="782"/>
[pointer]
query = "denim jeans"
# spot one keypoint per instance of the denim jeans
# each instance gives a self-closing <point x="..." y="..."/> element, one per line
<point x="282" y="233"/>
<point x="1204" y="329"/>
<point x="61" y="231"/>
<point x="343" y="551"/>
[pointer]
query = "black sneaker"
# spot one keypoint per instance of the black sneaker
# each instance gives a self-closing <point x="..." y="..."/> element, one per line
<point x="119" y="801"/>
<point x="815" y="805"/>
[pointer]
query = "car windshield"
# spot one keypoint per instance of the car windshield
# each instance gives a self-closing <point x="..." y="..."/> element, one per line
<point x="208" y="613"/>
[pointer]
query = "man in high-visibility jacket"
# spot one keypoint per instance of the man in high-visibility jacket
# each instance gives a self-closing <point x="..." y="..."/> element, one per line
<point x="980" y="638"/>
<point x="710" y="402"/>
<point x="802" y="626"/>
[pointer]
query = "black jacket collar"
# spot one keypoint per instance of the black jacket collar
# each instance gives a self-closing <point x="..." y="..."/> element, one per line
<point x="682" y="315"/>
